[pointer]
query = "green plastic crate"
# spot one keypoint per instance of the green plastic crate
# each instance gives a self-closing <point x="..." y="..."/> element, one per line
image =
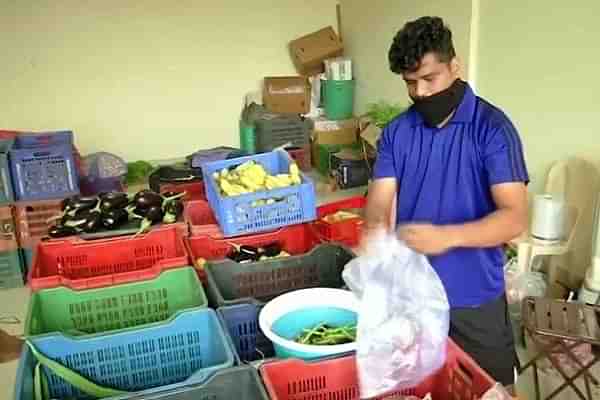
<point x="229" y="282"/>
<point x="116" y="307"/>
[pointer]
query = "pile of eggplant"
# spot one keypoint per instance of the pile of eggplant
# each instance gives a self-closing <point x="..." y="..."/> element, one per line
<point x="109" y="211"/>
<point x="246" y="254"/>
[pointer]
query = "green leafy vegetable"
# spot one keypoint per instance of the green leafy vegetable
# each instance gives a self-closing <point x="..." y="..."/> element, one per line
<point x="138" y="172"/>
<point x="324" y="335"/>
<point x="382" y="112"/>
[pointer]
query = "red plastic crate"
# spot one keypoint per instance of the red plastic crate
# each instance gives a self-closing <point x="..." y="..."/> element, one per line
<point x="31" y="218"/>
<point x="294" y="239"/>
<point x="302" y="157"/>
<point x="460" y="379"/>
<point x="193" y="190"/>
<point x="8" y="235"/>
<point x="83" y="264"/>
<point x="201" y="219"/>
<point x="348" y="231"/>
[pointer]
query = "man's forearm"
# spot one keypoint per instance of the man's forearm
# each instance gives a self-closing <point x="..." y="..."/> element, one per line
<point x="493" y="230"/>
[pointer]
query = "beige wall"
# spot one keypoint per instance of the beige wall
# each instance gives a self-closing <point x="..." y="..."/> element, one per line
<point x="539" y="61"/>
<point x="368" y="28"/>
<point x="147" y="79"/>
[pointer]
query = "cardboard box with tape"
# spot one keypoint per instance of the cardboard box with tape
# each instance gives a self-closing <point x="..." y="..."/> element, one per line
<point x="308" y="52"/>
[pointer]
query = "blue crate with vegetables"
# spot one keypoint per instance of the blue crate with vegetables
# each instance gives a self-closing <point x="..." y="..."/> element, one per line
<point x="258" y="193"/>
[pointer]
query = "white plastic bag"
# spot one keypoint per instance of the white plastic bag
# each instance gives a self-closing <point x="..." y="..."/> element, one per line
<point x="403" y="317"/>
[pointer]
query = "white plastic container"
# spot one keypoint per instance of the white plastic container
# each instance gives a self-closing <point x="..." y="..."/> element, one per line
<point x="306" y="309"/>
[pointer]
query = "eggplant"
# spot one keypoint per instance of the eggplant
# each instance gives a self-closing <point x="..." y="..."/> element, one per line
<point x="169" y="194"/>
<point x="77" y="204"/>
<point x="111" y="195"/>
<point x="114" y="203"/>
<point x="60" y="231"/>
<point x="174" y="207"/>
<point x="93" y="222"/>
<point x="154" y="214"/>
<point x="66" y="203"/>
<point x="272" y="250"/>
<point x="148" y="199"/>
<point x="114" y="218"/>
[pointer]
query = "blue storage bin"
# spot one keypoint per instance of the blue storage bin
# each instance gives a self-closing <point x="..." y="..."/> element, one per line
<point x="41" y="171"/>
<point x="43" y="139"/>
<point x="11" y="270"/>
<point x="187" y="349"/>
<point x="241" y="322"/>
<point x="237" y="216"/>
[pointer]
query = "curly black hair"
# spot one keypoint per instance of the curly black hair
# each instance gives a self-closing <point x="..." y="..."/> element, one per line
<point x="417" y="38"/>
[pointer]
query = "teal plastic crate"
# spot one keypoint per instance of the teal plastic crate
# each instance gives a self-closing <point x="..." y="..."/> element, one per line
<point x="186" y="350"/>
<point x="11" y="270"/>
<point x="6" y="187"/>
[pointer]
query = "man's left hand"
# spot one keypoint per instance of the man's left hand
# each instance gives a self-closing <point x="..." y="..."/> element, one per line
<point x="426" y="238"/>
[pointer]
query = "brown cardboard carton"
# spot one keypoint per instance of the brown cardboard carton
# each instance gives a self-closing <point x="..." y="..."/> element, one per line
<point x="335" y="132"/>
<point x="287" y="94"/>
<point x="308" y="52"/>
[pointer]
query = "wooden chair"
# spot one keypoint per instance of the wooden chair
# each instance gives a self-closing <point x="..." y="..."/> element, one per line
<point x="553" y="323"/>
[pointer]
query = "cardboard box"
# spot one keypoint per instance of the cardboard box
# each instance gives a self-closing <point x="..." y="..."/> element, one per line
<point x="335" y="132"/>
<point x="287" y="94"/>
<point x="308" y="52"/>
<point x="371" y="134"/>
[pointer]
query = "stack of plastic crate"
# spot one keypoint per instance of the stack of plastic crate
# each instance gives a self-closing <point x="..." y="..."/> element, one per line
<point x="44" y="170"/>
<point x="119" y="316"/>
<point x="11" y="263"/>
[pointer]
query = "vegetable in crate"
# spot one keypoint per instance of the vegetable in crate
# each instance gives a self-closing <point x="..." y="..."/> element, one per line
<point x="138" y="172"/>
<point x="325" y="335"/>
<point x="246" y="254"/>
<point x="114" y="209"/>
<point x="251" y="177"/>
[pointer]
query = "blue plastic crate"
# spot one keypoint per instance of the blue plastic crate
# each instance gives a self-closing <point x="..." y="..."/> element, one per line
<point x="241" y="322"/>
<point x="186" y="350"/>
<point x="43" y="139"/>
<point x="11" y="270"/>
<point x="237" y="215"/>
<point x="47" y="172"/>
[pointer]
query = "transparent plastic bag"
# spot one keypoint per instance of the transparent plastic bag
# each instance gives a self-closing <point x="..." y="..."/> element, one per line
<point x="403" y="316"/>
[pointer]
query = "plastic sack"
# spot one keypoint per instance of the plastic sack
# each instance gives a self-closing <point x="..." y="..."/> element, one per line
<point x="403" y="316"/>
<point x="522" y="284"/>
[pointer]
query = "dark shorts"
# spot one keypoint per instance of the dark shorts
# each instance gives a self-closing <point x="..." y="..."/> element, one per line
<point x="485" y="333"/>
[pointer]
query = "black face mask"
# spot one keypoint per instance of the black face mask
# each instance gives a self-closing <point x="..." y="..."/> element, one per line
<point x="436" y="108"/>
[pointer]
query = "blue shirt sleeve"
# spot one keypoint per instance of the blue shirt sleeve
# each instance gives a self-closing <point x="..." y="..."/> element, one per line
<point x="503" y="156"/>
<point x="385" y="166"/>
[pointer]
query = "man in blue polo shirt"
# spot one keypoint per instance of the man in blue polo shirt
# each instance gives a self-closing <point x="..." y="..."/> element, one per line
<point x="453" y="164"/>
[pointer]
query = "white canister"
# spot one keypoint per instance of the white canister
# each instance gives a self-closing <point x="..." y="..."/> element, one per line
<point x="548" y="220"/>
